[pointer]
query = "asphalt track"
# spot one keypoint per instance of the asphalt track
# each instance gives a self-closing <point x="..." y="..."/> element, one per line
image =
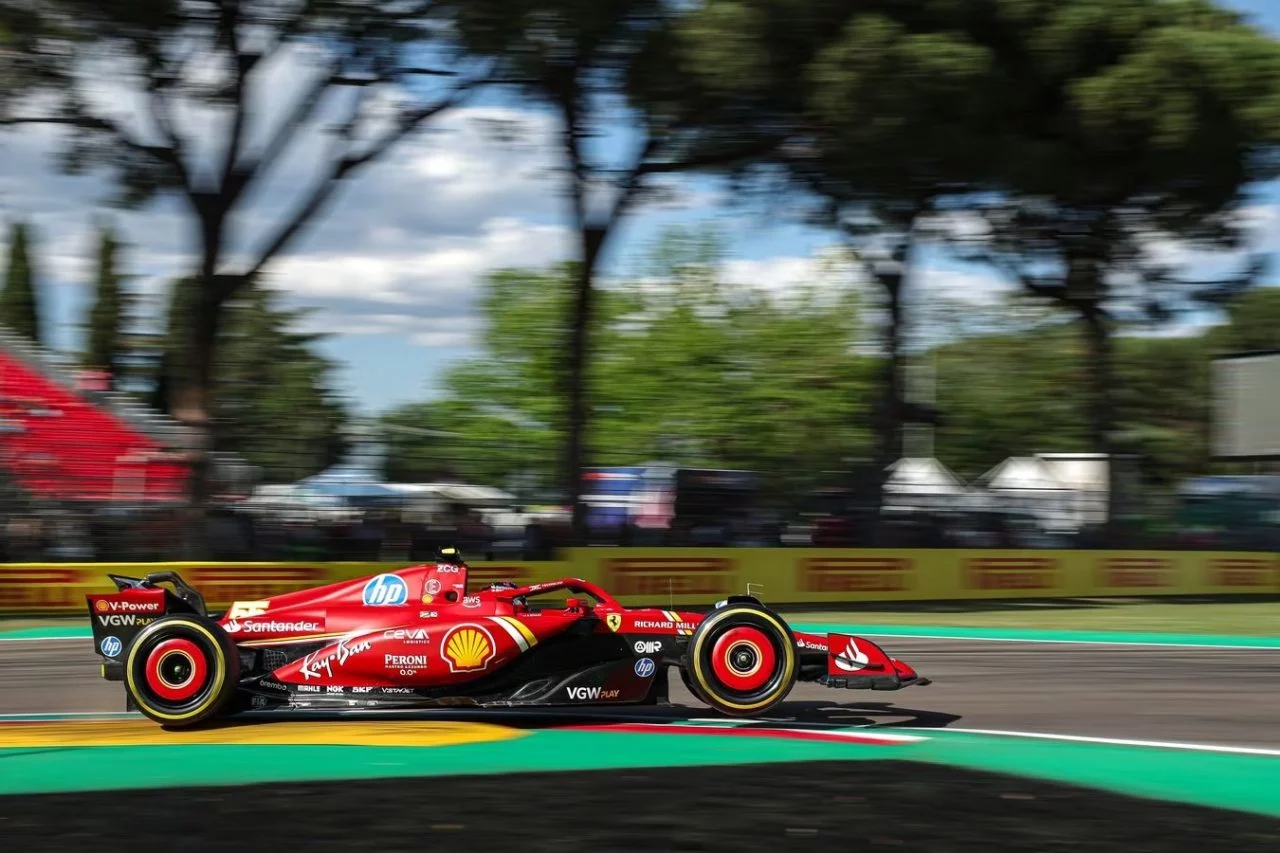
<point x="1222" y="697"/>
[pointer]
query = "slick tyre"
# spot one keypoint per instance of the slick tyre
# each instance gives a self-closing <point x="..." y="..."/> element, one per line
<point x="742" y="660"/>
<point x="181" y="670"/>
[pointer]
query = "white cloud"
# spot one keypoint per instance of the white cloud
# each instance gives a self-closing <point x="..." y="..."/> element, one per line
<point x="421" y="271"/>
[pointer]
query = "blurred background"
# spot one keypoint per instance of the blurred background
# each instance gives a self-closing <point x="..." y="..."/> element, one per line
<point x="352" y="279"/>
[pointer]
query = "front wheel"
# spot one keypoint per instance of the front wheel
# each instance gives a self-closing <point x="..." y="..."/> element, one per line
<point x="181" y="670"/>
<point x="742" y="660"/>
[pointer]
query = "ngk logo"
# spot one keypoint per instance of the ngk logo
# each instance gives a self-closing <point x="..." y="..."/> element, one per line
<point x="855" y="574"/>
<point x="1242" y="572"/>
<point x="1011" y="573"/>
<point x="1130" y="572"/>
<point x="658" y="576"/>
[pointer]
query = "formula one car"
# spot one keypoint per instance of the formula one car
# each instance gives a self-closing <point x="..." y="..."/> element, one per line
<point x="416" y="637"/>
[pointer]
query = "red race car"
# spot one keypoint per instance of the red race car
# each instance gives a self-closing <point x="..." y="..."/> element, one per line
<point x="416" y="637"/>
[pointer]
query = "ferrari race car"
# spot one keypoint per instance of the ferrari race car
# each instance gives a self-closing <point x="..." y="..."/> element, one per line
<point x="417" y="638"/>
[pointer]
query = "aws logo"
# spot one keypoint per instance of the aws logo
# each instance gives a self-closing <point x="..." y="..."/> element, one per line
<point x="468" y="648"/>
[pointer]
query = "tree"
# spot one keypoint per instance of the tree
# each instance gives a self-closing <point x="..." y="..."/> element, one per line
<point x="594" y="62"/>
<point x="105" y="348"/>
<point x="1135" y="124"/>
<point x="898" y="112"/>
<point x="290" y="432"/>
<point x="209" y="57"/>
<point x="19" y="307"/>
<point x="687" y="368"/>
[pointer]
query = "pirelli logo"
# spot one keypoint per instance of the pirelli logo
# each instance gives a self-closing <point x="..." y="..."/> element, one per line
<point x="660" y="576"/>
<point x="1244" y="572"/>
<point x="484" y="575"/>
<point x="38" y="589"/>
<point x="855" y="574"/>
<point x="222" y="584"/>
<point x="1011" y="573"/>
<point x="1134" y="572"/>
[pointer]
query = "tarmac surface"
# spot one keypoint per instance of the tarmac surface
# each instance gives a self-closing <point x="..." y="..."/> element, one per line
<point x="1223" y="697"/>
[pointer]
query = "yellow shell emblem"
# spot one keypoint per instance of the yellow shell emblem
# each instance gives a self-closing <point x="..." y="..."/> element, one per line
<point x="468" y="648"/>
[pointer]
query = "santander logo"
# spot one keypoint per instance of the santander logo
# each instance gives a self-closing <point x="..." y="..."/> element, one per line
<point x="852" y="658"/>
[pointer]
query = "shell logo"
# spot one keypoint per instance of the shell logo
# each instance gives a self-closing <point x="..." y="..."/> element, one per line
<point x="101" y="606"/>
<point x="468" y="648"/>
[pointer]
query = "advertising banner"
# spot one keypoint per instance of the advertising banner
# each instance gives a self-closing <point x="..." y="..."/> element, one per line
<point x="700" y="576"/>
<point x="817" y="576"/>
<point x="59" y="589"/>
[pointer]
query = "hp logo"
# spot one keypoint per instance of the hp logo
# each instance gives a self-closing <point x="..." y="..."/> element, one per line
<point x="385" y="590"/>
<point x="111" y="646"/>
<point x="645" y="667"/>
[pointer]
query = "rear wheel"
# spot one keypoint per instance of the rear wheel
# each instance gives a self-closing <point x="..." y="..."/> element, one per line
<point x="181" y="670"/>
<point x="742" y="660"/>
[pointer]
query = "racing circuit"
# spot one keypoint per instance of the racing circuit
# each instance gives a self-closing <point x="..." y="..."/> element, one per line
<point x="1106" y="747"/>
<point x="1216" y="696"/>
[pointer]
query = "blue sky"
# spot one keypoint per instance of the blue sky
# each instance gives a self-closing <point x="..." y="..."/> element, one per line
<point x="392" y="269"/>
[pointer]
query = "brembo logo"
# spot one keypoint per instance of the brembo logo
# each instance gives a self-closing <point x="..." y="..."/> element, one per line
<point x="855" y="574"/>
<point x="658" y="576"/>
<point x="1011" y="573"/>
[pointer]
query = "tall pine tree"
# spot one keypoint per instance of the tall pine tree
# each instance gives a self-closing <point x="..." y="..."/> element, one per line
<point x="105" y="348"/>
<point x="19" y="311"/>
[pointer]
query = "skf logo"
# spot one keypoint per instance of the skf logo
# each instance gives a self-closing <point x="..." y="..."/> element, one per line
<point x="658" y="576"/>
<point x="1131" y="572"/>
<point x="468" y="648"/>
<point x="1011" y="573"/>
<point x="614" y="621"/>
<point x="1242" y="572"/>
<point x="855" y="574"/>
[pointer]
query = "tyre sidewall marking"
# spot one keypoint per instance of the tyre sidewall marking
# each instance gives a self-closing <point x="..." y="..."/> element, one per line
<point x="789" y="658"/>
<point x="219" y="666"/>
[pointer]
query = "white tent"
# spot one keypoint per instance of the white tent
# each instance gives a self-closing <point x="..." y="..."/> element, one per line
<point x="917" y="484"/>
<point x="1030" y="484"/>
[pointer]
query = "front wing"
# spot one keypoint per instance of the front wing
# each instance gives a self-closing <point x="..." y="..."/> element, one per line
<point x="853" y="663"/>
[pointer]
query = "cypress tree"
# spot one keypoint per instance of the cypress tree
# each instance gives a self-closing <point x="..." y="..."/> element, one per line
<point x="106" y="317"/>
<point x="18" y="309"/>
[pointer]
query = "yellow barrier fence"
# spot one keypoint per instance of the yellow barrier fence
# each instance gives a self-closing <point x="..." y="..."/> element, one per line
<point x="703" y="575"/>
<point x="817" y="576"/>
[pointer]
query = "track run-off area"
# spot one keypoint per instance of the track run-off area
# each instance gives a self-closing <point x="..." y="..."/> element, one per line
<point x="1150" y="715"/>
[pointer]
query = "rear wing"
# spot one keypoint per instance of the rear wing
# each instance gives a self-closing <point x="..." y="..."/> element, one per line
<point x="117" y="617"/>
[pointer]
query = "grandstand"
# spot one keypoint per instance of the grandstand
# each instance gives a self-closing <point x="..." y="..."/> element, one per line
<point x="64" y="443"/>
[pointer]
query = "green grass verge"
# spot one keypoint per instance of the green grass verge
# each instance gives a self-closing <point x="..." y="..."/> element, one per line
<point x="1252" y="618"/>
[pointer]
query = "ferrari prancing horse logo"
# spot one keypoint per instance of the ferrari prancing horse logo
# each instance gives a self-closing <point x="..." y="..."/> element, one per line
<point x="614" y="621"/>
